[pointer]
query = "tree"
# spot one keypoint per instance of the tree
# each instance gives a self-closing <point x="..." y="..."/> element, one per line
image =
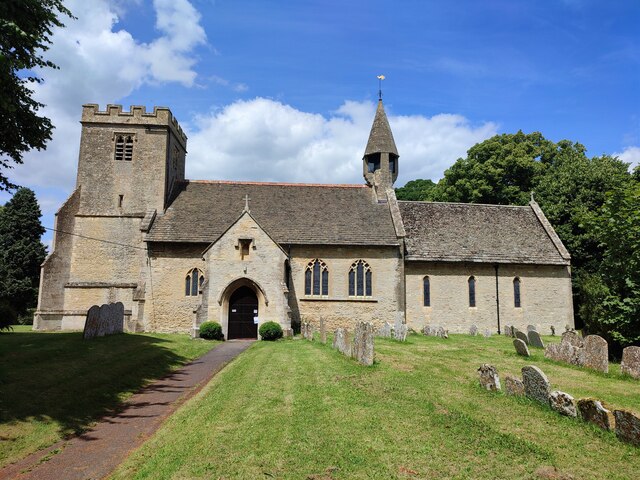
<point x="416" y="190"/>
<point x="21" y="254"/>
<point x="25" y="29"/>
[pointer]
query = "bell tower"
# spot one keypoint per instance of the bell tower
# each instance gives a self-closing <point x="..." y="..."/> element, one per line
<point x="380" y="161"/>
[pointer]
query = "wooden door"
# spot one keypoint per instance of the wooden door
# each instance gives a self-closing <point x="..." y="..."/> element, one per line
<point x="243" y="307"/>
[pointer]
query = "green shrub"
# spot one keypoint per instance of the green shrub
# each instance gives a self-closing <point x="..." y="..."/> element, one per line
<point x="270" y="331"/>
<point x="211" y="331"/>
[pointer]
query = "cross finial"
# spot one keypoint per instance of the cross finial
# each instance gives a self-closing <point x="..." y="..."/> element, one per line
<point x="380" y="78"/>
<point x="246" y="203"/>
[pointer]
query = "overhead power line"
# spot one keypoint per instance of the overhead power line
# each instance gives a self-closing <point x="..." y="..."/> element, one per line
<point x="95" y="239"/>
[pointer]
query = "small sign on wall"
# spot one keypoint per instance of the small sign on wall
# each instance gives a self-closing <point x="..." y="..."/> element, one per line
<point x="256" y="320"/>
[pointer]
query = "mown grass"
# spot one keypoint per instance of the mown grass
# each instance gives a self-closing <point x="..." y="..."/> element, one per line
<point x="295" y="409"/>
<point x="56" y="384"/>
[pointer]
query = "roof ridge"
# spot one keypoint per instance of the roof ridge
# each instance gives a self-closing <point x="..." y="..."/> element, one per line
<point x="463" y="203"/>
<point x="282" y="184"/>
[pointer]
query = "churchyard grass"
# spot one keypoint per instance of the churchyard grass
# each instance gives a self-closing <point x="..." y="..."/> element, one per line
<point x="296" y="409"/>
<point x="56" y="384"/>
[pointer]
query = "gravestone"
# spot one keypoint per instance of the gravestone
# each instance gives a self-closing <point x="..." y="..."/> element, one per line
<point x="553" y="331"/>
<point x="563" y="403"/>
<point x="338" y="338"/>
<point x="536" y="384"/>
<point x="570" y="350"/>
<point x="428" y="330"/>
<point x="362" y="349"/>
<point x="507" y="331"/>
<point x="489" y="377"/>
<point x="627" y="426"/>
<point x="473" y="330"/>
<point x="521" y="347"/>
<point x="532" y="328"/>
<point x="487" y="334"/>
<point x="513" y="385"/>
<point x="442" y="333"/>
<point x="593" y="411"/>
<point x="571" y="337"/>
<point x="307" y="331"/>
<point x="596" y="353"/>
<point x="631" y="361"/>
<point x="400" y="332"/>
<point x="385" y="330"/>
<point x="323" y="331"/>
<point x="522" y="336"/>
<point x="92" y="324"/>
<point x="535" y="340"/>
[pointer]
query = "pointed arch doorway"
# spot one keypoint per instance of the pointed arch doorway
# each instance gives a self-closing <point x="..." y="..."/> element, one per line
<point x="243" y="306"/>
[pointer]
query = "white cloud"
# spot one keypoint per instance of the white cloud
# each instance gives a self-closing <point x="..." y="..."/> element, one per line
<point x="262" y="139"/>
<point x="630" y="155"/>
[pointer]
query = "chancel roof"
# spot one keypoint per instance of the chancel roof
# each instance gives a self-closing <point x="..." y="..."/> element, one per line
<point x="289" y="213"/>
<point x="480" y="233"/>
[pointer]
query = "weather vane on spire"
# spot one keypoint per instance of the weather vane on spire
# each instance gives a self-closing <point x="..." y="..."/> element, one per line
<point x="380" y="78"/>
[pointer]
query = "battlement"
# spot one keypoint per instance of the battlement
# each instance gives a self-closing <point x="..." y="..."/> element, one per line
<point x="137" y="115"/>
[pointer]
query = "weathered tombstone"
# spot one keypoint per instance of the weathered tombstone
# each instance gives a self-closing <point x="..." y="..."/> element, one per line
<point x="627" y="426"/>
<point x="117" y="319"/>
<point x="553" y="331"/>
<point x="442" y="333"/>
<point x="323" y="331"/>
<point x="427" y="330"/>
<point x="513" y="385"/>
<point x="338" y="338"/>
<point x="631" y="361"/>
<point x="507" y="331"/>
<point x="572" y="338"/>
<point x="563" y="403"/>
<point x="92" y="324"/>
<point x="362" y="349"/>
<point x="521" y="347"/>
<point x="487" y="334"/>
<point x="593" y="411"/>
<point x="473" y="330"/>
<point x="489" y="377"/>
<point x="535" y="340"/>
<point x="102" y="325"/>
<point x="532" y="328"/>
<point x="385" y="331"/>
<point x="596" y="353"/>
<point x="307" y="331"/>
<point x="551" y="351"/>
<point x="536" y="384"/>
<point x="522" y="336"/>
<point x="400" y="332"/>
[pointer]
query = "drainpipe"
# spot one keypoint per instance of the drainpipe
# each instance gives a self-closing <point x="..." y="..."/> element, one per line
<point x="496" y="266"/>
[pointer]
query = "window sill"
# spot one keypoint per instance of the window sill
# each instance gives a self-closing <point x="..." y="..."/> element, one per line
<point x="350" y="299"/>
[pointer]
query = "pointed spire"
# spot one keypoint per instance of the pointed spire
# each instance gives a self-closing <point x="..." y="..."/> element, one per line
<point x="381" y="138"/>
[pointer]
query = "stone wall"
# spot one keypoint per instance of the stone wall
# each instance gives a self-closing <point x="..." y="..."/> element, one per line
<point x="545" y="296"/>
<point x="338" y="309"/>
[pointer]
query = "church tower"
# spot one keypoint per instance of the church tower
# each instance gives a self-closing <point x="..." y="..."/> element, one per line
<point x="380" y="161"/>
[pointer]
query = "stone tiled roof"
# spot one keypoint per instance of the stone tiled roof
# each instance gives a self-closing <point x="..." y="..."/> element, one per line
<point x="479" y="233"/>
<point x="380" y="137"/>
<point x="289" y="213"/>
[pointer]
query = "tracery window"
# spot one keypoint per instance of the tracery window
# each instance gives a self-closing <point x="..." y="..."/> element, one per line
<point x="193" y="282"/>
<point x="124" y="147"/>
<point x="360" y="280"/>
<point x="472" y="291"/>
<point x="426" y="291"/>
<point x="516" y="293"/>
<point x="316" y="278"/>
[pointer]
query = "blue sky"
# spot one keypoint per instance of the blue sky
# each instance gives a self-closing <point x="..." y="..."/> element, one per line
<point x="286" y="90"/>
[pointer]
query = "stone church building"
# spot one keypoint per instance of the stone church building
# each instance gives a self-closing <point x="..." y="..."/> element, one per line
<point x="179" y="252"/>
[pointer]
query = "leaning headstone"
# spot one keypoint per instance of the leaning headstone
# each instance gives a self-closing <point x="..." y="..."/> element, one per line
<point x="338" y="338"/>
<point x="487" y="334"/>
<point x="507" y="331"/>
<point x="521" y="347"/>
<point x="307" y="331"/>
<point x="532" y="328"/>
<point x="535" y="340"/>
<point x="572" y="338"/>
<point x="385" y="330"/>
<point x="427" y="330"/>
<point x="563" y="403"/>
<point x="362" y="348"/>
<point x="514" y="332"/>
<point x="92" y="324"/>
<point x="473" y="330"/>
<point x="536" y="384"/>
<point x="442" y="333"/>
<point x="522" y="336"/>
<point x="631" y="361"/>
<point x="593" y="411"/>
<point x="513" y="385"/>
<point x="627" y="426"/>
<point x="596" y="353"/>
<point x="400" y="332"/>
<point x="489" y="377"/>
<point x="323" y="331"/>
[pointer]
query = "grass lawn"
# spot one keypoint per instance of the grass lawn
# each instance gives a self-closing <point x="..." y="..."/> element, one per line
<point x="295" y="409"/>
<point x="56" y="384"/>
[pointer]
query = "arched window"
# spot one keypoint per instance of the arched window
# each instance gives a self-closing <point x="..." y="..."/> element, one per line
<point x="124" y="147"/>
<point x="360" y="281"/>
<point x="426" y="291"/>
<point x="128" y="147"/>
<point x="193" y="282"/>
<point x="472" y="291"/>
<point x="316" y="278"/>
<point x="516" y="292"/>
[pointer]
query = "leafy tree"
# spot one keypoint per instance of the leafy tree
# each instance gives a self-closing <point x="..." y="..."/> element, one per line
<point x="25" y="28"/>
<point x="416" y="190"/>
<point x="21" y="254"/>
